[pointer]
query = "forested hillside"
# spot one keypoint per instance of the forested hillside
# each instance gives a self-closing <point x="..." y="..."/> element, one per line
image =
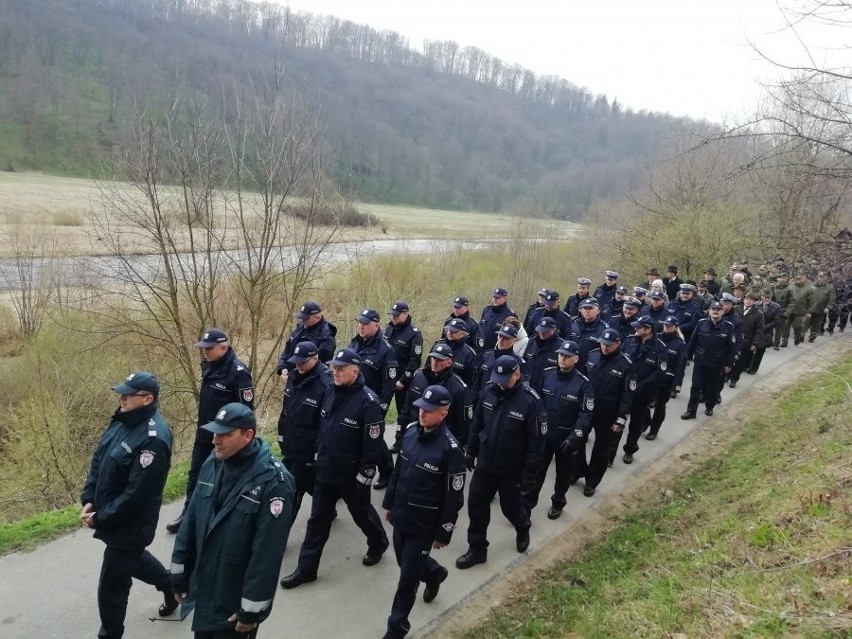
<point x="439" y="125"/>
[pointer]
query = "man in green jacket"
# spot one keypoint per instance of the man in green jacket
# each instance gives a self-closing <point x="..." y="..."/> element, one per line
<point x="824" y="298"/>
<point x="799" y="307"/>
<point x="229" y="548"/>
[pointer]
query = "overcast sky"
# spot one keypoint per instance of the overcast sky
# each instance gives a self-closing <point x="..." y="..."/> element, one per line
<point x="685" y="57"/>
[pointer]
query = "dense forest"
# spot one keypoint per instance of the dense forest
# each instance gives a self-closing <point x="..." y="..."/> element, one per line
<point x="441" y="125"/>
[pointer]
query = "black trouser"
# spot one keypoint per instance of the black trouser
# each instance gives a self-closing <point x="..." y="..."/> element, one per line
<point x="415" y="565"/>
<point x="356" y="496"/>
<point x="567" y="467"/>
<point x="838" y="317"/>
<point x="817" y="321"/>
<point x="707" y="382"/>
<point x="483" y="486"/>
<point x="640" y="418"/>
<point x="303" y="474"/>
<point x="227" y="634"/>
<point x="119" y="567"/>
<point x="756" y="358"/>
<point x="201" y="450"/>
<point x="743" y="362"/>
<point x="605" y="446"/>
<point x="664" y="394"/>
<point x="399" y="399"/>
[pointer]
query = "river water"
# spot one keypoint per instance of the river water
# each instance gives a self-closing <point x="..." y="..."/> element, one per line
<point x="101" y="270"/>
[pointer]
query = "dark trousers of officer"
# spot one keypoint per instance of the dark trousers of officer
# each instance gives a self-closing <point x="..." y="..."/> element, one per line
<point x="706" y="382"/>
<point x="664" y="394"/>
<point x="605" y="446"/>
<point x="399" y="399"/>
<point x="567" y="465"/>
<point x="201" y="450"/>
<point x="797" y="323"/>
<point x="356" y="496"/>
<point x="415" y="565"/>
<point x="483" y="486"/>
<point x="640" y="418"/>
<point x="119" y="567"/>
<point x="227" y="634"/>
<point x="756" y="359"/>
<point x="303" y="474"/>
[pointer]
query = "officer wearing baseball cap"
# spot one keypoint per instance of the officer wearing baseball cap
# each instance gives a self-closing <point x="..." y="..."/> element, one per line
<point x="613" y="383"/>
<point x="299" y="421"/>
<point x="439" y="371"/>
<point x="504" y="452"/>
<point x="461" y="310"/>
<point x="493" y="317"/>
<point x="244" y="513"/>
<point x="312" y="327"/>
<point x="122" y="497"/>
<point x="348" y="451"/>
<point x="225" y="378"/>
<point x="407" y="343"/>
<point x="568" y="401"/>
<point x="431" y="464"/>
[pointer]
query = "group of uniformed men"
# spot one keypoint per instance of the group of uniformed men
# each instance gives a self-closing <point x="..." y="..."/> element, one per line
<point x="500" y="397"/>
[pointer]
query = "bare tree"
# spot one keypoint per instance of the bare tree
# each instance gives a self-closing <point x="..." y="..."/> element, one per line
<point x="198" y="222"/>
<point x="29" y="274"/>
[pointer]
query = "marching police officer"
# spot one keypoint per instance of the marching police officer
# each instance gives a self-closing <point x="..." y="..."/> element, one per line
<point x="493" y="317"/>
<point x="348" y="449"/>
<point x="586" y="329"/>
<point x="552" y="310"/>
<point x="407" y="343"/>
<point x="582" y="294"/>
<point x="613" y="309"/>
<point x="650" y="361"/>
<point x="380" y="371"/>
<point x="613" y="383"/>
<point x="568" y="401"/>
<point x="422" y="503"/>
<point x="298" y="424"/>
<point x="439" y="371"/>
<point x="122" y="498"/>
<point x="656" y="310"/>
<point x="605" y="293"/>
<point x="224" y="379"/>
<point x="461" y="311"/>
<point x="529" y="323"/>
<point x="507" y="336"/>
<point x="504" y="452"/>
<point x="675" y="366"/>
<point x="312" y="327"/>
<point x="713" y="346"/>
<point x="686" y="309"/>
<point x="228" y="551"/>
<point x="623" y="322"/>
<point x="541" y="352"/>
<point x="465" y="358"/>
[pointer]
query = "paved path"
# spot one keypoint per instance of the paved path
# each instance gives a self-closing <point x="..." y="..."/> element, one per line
<point x="50" y="593"/>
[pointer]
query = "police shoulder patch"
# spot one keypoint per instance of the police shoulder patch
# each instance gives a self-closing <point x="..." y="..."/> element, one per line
<point x="375" y="430"/>
<point x="542" y="426"/>
<point x="247" y="394"/>
<point x="276" y="506"/>
<point x="663" y="365"/>
<point x="392" y="372"/>
<point x="449" y="526"/>
<point x="457" y="481"/>
<point x="146" y="458"/>
<point x="632" y="384"/>
<point x="418" y="349"/>
<point x="590" y="403"/>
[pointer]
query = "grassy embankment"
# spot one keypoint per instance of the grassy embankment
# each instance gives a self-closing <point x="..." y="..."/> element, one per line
<point x="753" y="543"/>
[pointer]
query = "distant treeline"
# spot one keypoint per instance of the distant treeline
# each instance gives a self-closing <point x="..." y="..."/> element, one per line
<point x="445" y="126"/>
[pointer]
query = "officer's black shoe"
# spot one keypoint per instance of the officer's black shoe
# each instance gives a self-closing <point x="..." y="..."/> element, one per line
<point x="170" y="604"/>
<point x="471" y="558"/>
<point x="522" y="540"/>
<point x="589" y="491"/>
<point x="776" y="348"/>
<point x="434" y="584"/>
<point x="673" y="394"/>
<point x="610" y="463"/>
<point x="733" y="384"/>
<point x="784" y="344"/>
<point x="381" y="483"/>
<point x="375" y="556"/>
<point x="297" y="578"/>
<point x="708" y="412"/>
<point x="628" y="458"/>
<point x="688" y="415"/>
<point x="174" y="526"/>
<point x="812" y="339"/>
<point x="555" y="512"/>
<point x="651" y="436"/>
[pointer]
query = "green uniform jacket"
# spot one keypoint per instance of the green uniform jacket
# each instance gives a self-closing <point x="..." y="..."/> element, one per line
<point x="801" y="300"/>
<point x="782" y="295"/>
<point x="228" y="560"/>
<point x="823" y="298"/>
